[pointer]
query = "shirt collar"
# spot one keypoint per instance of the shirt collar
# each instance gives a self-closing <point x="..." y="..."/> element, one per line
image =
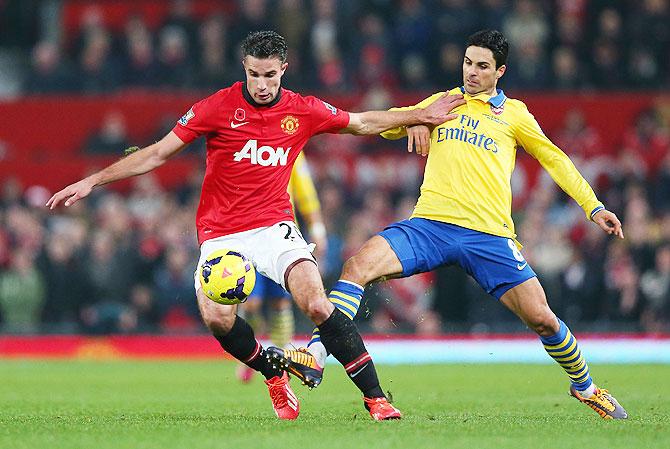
<point x="496" y="100"/>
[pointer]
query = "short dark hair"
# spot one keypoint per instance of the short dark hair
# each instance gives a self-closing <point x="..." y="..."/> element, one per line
<point x="264" y="44"/>
<point x="494" y="41"/>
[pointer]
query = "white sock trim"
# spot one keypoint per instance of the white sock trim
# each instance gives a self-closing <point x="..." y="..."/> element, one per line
<point x="351" y="283"/>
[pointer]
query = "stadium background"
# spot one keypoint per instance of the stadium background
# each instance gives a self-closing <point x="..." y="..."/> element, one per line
<point x="82" y="80"/>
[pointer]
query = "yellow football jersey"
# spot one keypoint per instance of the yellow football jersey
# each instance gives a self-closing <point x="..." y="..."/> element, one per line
<point x="471" y="159"/>
<point x="301" y="188"/>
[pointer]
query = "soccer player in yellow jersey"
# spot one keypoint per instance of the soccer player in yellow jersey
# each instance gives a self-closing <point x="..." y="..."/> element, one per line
<point x="463" y="215"/>
<point x="281" y="321"/>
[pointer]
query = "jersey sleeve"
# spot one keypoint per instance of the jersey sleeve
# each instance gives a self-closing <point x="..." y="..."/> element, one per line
<point x="401" y="131"/>
<point x="301" y="188"/>
<point x="530" y="137"/>
<point x="199" y="120"/>
<point x="324" y="117"/>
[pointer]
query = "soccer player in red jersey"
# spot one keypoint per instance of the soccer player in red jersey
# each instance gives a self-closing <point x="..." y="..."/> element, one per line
<point x="255" y="130"/>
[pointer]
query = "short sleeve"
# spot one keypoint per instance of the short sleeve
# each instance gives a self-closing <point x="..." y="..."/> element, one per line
<point x="324" y="117"/>
<point x="198" y="120"/>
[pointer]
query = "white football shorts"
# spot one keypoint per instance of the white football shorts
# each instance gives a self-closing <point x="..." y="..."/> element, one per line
<point x="272" y="249"/>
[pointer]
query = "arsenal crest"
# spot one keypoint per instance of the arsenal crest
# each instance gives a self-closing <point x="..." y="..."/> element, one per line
<point x="289" y="124"/>
<point x="498" y="110"/>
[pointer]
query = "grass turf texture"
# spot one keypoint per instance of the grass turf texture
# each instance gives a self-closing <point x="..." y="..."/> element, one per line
<point x="149" y="404"/>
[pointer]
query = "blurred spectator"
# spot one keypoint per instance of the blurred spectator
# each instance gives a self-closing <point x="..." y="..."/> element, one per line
<point x="493" y="14"/>
<point x="293" y="22"/>
<point x="649" y="139"/>
<point x="655" y="287"/>
<point x="174" y="65"/>
<point x="174" y="292"/>
<point x="606" y="63"/>
<point x="110" y="270"/>
<point x="529" y="68"/>
<point x="330" y="70"/>
<point x="181" y="18"/>
<point x="414" y="72"/>
<point x="21" y="294"/>
<point x="454" y="19"/>
<point x="567" y="72"/>
<point x="578" y="139"/>
<point x="112" y="137"/>
<point x="661" y="194"/>
<point x="144" y="308"/>
<point x="649" y="28"/>
<point x="643" y="69"/>
<point x="374" y="67"/>
<point x="98" y="72"/>
<point x="214" y="69"/>
<point x="66" y="283"/>
<point x="140" y="64"/>
<point x="412" y="30"/>
<point x="621" y="280"/>
<point x="448" y="72"/>
<point x="526" y="26"/>
<point x="252" y="16"/>
<point x="49" y="73"/>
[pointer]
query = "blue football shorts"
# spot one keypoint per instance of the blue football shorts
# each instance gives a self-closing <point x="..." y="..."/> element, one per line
<point x="493" y="261"/>
<point x="266" y="288"/>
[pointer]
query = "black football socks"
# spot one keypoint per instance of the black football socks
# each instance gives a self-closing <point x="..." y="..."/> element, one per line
<point x="241" y="343"/>
<point x="341" y="338"/>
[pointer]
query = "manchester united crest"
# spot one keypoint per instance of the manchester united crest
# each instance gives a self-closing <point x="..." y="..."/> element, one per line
<point x="289" y="124"/>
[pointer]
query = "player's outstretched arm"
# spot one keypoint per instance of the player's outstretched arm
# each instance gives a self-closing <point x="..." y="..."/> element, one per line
<point x="375" y="122"/>
<point x="134" y="164"/>
<point x="608" y="222"/>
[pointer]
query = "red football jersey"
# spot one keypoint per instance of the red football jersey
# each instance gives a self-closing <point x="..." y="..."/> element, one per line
<point x="251" y="150"/>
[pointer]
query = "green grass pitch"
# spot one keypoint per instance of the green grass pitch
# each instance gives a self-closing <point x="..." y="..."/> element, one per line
<point x="194" y="404"/>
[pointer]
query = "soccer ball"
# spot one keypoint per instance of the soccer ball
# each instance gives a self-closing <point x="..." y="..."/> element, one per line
<point x="227" y="277"/>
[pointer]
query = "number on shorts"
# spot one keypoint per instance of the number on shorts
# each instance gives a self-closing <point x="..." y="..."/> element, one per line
<point x="288" y="231"/>
<point x="515" y="251"/>
<point x="291" y="229"/>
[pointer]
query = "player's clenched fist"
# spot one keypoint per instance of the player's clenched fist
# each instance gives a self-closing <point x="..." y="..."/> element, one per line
<point x="439" y="111"/>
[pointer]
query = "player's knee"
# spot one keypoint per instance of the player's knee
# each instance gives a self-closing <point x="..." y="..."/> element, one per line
<point x="354" y="270"/>
<point x="219" y="322"/>
<point x="543" y="322"/>
<point x="318" y="309"/>
<point x="219" y="325"/>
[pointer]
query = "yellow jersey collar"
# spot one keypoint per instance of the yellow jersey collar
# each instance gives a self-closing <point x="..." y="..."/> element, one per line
<point x="496" y="100"/>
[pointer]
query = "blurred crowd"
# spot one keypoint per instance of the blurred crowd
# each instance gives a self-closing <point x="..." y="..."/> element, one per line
<point x="343" y="45"/>
<point x="124" y="262"/>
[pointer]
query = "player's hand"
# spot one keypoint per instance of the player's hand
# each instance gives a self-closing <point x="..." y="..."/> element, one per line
<point x="418" y="137"/>
<point x="439" y="111"/>
<point x="71" y="194"/>
<point x="608" y="222"/>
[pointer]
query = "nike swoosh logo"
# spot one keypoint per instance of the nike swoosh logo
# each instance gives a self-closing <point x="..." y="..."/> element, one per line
<point x="237" y="125"/>
<point x="356" y="373"/>
<point x="520" y="266"/>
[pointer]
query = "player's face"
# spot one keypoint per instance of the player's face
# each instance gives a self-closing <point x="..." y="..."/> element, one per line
<point x="263" y="77"/>
<point x="479" y="71"/>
